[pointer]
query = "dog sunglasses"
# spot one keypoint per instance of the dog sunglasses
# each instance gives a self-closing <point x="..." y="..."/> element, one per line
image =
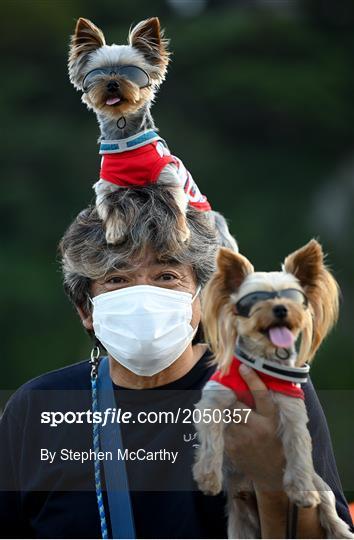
<point x="134" y="74"/>
<point x="246" y="303"/>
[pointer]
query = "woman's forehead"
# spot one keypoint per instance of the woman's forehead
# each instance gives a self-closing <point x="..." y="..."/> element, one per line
<point x="149" y="262"/>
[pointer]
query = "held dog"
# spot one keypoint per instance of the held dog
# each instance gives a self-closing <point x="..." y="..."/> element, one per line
<point x="119" y="83"/>
<point x="256" y="318"/>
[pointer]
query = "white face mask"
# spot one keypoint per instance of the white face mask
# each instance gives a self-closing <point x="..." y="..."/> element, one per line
<point x="144" y="328"/>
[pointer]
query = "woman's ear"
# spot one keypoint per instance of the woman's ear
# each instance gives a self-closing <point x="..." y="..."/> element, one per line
<point x="86" y="317"/>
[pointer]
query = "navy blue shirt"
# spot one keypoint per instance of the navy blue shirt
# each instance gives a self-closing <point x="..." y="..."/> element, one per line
<point x="39" y="499"/>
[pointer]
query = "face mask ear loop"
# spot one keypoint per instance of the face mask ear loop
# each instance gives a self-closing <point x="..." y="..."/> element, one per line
<point x="199" y="288"/>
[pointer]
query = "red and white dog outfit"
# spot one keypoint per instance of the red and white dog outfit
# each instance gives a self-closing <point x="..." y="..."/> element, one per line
<point x="139" y="160"/>
<point x="233" y="380"/>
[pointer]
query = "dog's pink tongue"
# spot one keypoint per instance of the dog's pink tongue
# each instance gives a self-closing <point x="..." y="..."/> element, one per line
<point x="112" y="101"/>
<point x="281" y="336"/>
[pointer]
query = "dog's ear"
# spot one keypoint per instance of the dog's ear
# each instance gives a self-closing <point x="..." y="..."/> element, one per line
<point x="148" y="37"/>
<point x="233" y="268"/>
<point x="86" y="39"/>
<point x="219" y="321"/>
<point x="308" y="266"/>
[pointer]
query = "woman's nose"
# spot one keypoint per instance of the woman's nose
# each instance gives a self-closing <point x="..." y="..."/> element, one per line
<point x="142" y="280"/>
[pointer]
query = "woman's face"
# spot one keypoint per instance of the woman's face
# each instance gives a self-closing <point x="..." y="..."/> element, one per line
<point x="149" y="271"/>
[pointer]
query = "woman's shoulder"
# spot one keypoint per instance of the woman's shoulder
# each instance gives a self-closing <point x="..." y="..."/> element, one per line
<point x="73" y="376"/>
<point x="50" y="385"/>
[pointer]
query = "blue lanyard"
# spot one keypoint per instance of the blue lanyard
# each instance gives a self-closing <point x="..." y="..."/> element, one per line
<point x="106" y="439"/>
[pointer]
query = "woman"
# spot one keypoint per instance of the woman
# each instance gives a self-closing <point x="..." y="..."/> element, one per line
<point x="141" y="300"/>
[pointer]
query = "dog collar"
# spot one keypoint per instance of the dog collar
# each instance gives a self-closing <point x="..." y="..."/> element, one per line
<point x="130" y="143"/>
<point x="286" y="373"/>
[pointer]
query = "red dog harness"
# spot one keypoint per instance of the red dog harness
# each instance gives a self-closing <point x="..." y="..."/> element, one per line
<point x="233" y="380"/>
<point x="139" y="160"/>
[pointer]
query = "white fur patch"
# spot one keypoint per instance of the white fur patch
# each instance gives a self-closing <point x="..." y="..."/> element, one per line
<point x="266" y="281"/>
<point x="113" y="55"/>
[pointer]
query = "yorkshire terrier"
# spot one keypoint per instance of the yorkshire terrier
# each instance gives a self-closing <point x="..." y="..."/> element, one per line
<point x="256" y="318"/>
<point x="119" y="83"/>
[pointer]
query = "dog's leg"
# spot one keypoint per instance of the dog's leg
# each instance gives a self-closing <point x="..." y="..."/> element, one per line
<point x="243" y="520"/>
<point x="114" y="225"/>
<point x="334" y="526"/>
<point x="297" y="444"/>
<point x="207" y="470"/>
<point x="169" y="177"/>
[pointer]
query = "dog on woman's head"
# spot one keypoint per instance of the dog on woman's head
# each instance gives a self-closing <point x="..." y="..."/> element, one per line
<point x="119" y="83"/>
<point x="256" y="318"/>
<point x="269" y="311"/>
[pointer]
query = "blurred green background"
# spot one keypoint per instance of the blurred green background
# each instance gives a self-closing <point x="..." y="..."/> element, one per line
<point x="258" y="102"/>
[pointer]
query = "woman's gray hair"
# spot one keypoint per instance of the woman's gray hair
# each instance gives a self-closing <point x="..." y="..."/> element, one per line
<point x="150" y="215"/>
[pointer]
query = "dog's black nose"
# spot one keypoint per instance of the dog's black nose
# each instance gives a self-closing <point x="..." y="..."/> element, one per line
<point x="280" y="311"/>
<point x="112" y="86"/>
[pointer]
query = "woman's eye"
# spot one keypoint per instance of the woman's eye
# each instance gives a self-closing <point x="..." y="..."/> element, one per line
<point x="115" y="280"/>
<point x="167" y="277"/>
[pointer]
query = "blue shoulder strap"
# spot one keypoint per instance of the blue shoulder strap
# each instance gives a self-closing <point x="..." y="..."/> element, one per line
<point x="115" y="473"/>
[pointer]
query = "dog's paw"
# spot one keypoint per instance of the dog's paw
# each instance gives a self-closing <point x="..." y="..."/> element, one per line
<point x="102" y="210"/>
<point x="183" y="229"/>
<point x="114" y="229"/>
<point x="208" y="480"/>
<point x="185" y="234"/>
<point x="210" y="484"/>
<point x="303" y="498"/>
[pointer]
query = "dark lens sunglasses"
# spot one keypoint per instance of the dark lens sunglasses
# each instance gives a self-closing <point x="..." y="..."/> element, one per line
<point x="245" y="304"/>
<point x="134" y="74"/>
